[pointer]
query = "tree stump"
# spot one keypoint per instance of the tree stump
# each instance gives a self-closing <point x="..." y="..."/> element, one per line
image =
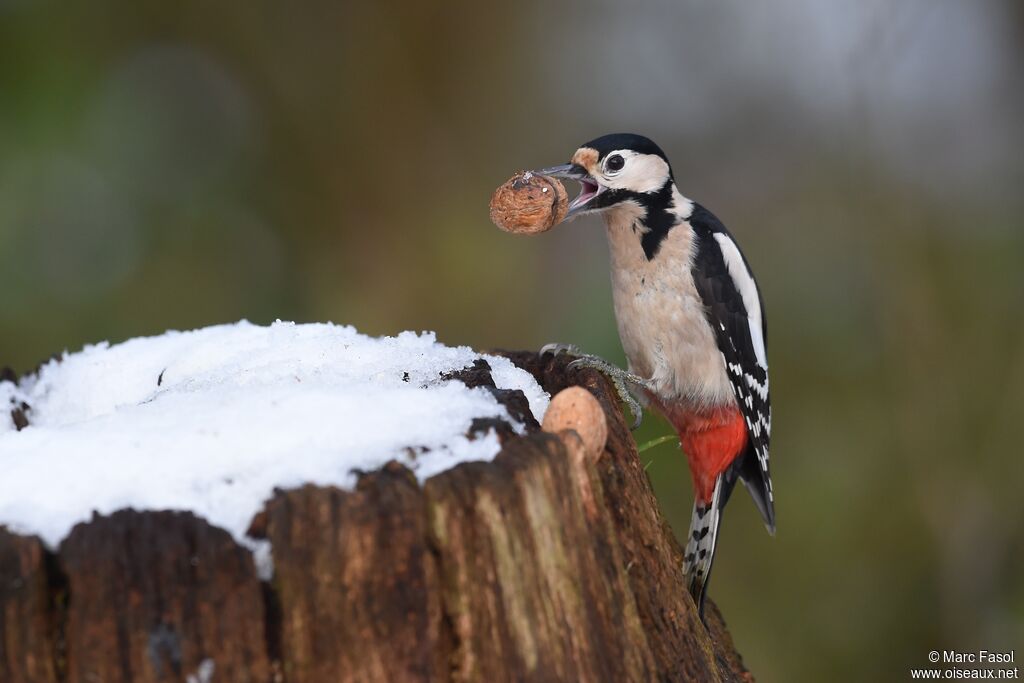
<point x="538" y="566"/>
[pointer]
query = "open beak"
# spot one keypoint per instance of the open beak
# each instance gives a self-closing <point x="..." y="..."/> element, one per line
<point x="589" y="188"/>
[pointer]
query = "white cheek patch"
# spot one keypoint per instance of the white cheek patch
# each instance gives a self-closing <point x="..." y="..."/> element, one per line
<point x="642" y="172"/>
<point x="744" y="283"/>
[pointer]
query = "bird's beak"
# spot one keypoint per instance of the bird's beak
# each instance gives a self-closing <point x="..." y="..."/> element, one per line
<point x="589" y="187"/>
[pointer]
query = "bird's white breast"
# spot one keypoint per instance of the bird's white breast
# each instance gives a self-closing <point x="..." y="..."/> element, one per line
<point x="660" y="316"/>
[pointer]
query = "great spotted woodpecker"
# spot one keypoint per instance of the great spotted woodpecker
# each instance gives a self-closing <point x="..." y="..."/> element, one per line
<point x="692" y="325"/>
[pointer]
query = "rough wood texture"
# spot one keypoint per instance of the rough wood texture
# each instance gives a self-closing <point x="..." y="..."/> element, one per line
<point x="534" y="584"/>
<point x="153" y="595"/>
<point x="28" y="625"/>
<point x="540" y="566"/>
<point x="357" y="582"/>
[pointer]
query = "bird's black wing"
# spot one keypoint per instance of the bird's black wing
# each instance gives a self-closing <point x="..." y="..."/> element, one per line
<point x="733" y="306"/>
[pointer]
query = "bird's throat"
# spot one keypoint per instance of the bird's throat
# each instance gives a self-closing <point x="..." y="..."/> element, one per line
<point x="648" y="216"/>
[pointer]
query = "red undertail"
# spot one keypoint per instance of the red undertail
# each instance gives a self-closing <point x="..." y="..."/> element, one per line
<point x="711" y="440"/>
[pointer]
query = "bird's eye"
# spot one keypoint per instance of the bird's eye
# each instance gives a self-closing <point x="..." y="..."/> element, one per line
<point x="615" y="163"/>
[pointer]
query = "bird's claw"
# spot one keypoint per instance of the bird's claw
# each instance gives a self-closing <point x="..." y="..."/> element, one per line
<point x="557" y="349"/>
<point x="619" y="378"/>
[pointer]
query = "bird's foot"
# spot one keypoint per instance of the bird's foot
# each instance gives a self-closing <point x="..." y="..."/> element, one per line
<point x="556" y="349"/>
<point x="620" y="379"/>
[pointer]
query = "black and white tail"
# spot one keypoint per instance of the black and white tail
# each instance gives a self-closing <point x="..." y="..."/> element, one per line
<point x="700" y="546"/>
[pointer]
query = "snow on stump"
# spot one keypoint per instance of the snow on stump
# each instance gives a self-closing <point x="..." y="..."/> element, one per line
<point x="302" y="503"/>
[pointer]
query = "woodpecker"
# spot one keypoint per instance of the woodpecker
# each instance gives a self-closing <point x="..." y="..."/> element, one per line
<point x="692" y="325"/>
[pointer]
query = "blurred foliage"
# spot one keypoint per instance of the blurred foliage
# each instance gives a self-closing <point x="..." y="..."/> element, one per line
<point x="172" y="165"/>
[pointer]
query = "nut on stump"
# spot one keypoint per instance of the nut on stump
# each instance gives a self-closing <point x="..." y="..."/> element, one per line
<point x="528" y="203"/>
<point x="576" y="408"/>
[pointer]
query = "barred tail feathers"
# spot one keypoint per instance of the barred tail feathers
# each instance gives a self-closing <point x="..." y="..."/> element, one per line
<point x="700" y="545"/>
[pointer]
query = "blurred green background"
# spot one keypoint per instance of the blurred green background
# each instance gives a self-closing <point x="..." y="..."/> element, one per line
<point x="172" y="165"/>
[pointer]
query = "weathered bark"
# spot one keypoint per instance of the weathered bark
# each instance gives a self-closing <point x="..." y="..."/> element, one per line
<point x="357" y="582"/>
<point x="28" y="622"/>
<point x="538" y="566"/>
<point x="154" y="595"/>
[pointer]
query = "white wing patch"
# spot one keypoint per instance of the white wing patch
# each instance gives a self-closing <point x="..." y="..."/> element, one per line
<point x="748" y="291"/>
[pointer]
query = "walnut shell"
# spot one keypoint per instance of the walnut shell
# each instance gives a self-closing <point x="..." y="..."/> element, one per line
<point x="576" y="408"/>
<point x="527" y="204"/>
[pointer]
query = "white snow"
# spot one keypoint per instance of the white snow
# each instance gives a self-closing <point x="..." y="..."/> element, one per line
<point x="240" y="409"/>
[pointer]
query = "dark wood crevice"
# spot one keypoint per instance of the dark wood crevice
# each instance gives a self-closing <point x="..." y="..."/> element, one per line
<point x="272" y="630"/>
<point x="59" y="592"/>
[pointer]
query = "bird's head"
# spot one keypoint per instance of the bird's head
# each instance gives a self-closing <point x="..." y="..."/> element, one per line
<point x="614" y="170"/>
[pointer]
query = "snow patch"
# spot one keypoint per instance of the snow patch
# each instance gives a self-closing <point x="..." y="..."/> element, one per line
<point x="214" y="419"/>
